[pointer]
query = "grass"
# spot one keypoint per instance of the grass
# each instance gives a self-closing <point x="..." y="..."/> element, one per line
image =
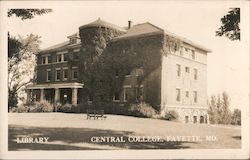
<point x="73" y="132"/>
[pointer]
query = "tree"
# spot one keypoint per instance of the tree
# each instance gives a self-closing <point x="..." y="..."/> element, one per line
<point x="213" y="111"/>
<point x="230" y="25"/>
<point x="21" y="58"/>
<point x="21" y="67"/>
<point x="27" y="13"/>
<point x="225" y="112"/>
<point x="236" y="117"/>
<point x="219" y="112"/>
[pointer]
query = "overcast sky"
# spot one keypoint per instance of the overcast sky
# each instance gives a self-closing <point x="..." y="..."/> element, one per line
<point x="227" y="64"/>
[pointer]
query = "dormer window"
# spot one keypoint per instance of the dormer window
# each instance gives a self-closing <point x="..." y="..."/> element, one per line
<point x="73" y="38"/>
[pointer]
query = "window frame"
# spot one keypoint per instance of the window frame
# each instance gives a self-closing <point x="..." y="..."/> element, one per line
<point x="74" y="70"/>
<point x="178" y="70"/>
<point x="178" y="94"/>
<point x="195" y="96"/>
<point x="48" y="76"/>
<point x="58" y="70"/>
<point x="65" y="69"/>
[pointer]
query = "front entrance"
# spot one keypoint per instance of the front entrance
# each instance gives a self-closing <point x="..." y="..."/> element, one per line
<point x="65" y="96"/>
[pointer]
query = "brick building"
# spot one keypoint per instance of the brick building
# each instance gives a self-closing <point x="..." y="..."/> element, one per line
<point x="145" y="62"/>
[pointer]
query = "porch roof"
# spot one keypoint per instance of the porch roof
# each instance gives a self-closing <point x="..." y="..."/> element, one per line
<point x="55" y="85"/>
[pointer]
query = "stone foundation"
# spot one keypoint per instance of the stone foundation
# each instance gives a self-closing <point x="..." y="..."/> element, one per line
<point x="197" y="115"/>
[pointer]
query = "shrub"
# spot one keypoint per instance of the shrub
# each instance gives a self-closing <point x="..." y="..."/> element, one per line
<point x="57" y="107"/>
<point x="141" y="110"/>
<point x="66" y="108"/>
<point x="13" y="110"/>
<point x="22" y="109"/>
<point x="170" y="115"/>
<point x="43" y="106"/>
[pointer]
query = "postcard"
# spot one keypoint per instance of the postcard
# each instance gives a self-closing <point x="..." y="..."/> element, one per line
<point x="124" y="79"/>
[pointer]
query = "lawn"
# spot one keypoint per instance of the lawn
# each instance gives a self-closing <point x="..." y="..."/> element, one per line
<point x="74" y="132"/>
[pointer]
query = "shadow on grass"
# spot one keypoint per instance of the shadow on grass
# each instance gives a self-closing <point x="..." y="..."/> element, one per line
<point x="79" y="139"/>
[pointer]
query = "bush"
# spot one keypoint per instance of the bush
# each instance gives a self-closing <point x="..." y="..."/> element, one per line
<point x="170" y="115"/>
<point x="35" y="107"/>
<point x="66" y="108"/>
<point x="141" y="110"/>
<point x="57" y="107"/>
<point x="22" y="109"/>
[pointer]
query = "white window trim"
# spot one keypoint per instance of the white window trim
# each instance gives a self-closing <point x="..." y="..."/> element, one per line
<point x="65" y="68"/>
<point x="195" y="97"/>
<point x="56" y="78"/>
<point x="76" y="69"/>
<point x="46" y="58"/>
<point x="177" y="95"/>
<point x="124" y="94"/>
<point x="47" y="75"/>
<point x="178" y="65"/>
<point x="76" y="50"/>
<point x="195" y="69"/>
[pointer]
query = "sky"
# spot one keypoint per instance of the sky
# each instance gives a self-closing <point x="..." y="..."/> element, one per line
<point x="227" y="64"/>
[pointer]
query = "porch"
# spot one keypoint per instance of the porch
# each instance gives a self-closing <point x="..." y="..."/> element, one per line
<point x="53" y="93"/>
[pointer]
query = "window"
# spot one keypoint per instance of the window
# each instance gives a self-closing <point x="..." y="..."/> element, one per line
<point x="139" y="71"/>
<point x="43" y="59"/>
<point x="73" y="40"/>
<point x="48" y="75"/>
<point x="46" y="59"/>
<point x="178" y="94"/>
<point x="186" y="119"/>
<point x="186" y="49"/>
<point x="187" y="69"/>
<point x="187" y="94"/>
<point x="116" y="96"/>
<point x="58" y="74"/>
<point x="76" y="56"/>
<point x="65" y="73"/>
<point x="125" y="94"/>
<point x="59" y="57"/>
<point x="74" y="73"/>
<point x="65" y="57"/>
<point x="140" y="93"/>
<point x="181" y="50"/>
<point x="116" y="73"/>
<point x="193" y="54"/>
<point x="49" y="58"/>
<point x="195" y="119"/>
<point x="195" y="74"/>
<point x="178" y="69"/>
<point x="195" y="96"/>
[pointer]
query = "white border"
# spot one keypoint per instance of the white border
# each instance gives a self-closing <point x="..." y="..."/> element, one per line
<point x="121" y="154"/>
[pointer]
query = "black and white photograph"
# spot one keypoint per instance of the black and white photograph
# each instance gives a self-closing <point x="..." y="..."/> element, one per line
<point x="124" y="79"/>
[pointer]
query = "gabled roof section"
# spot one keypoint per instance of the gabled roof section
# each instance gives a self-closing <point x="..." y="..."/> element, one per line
<point x="101" y="23"/>
<point x="141" y="30"/>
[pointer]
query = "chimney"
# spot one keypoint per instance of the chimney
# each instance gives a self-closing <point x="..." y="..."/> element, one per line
<point x="129" y="24"/>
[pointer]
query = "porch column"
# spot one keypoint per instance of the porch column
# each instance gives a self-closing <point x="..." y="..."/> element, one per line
<point x="74" y="96"/>
<point x="28" y="91"/>
<point x="57" y="95"/>
<point x="42" y="95"/>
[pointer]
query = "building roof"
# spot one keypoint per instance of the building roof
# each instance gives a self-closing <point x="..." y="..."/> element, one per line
<point x="58" y="46"/>
<point x="140" y="30"/>
<point x="149" y="29"/>
<point x="185" y="40"/>
<point x="101" y="23"/>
